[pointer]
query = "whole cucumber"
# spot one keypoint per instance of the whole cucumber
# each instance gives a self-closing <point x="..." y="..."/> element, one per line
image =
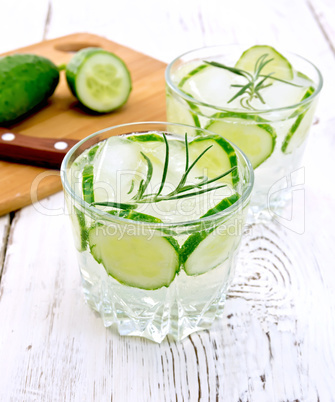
<point x="26" y="81"/>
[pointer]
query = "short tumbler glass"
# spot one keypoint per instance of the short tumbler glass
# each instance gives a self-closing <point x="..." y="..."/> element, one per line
<point x="276" y="146"/>
<point x="190" y="302"/>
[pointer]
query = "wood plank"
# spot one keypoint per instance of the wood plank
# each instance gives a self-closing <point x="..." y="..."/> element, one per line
<point x="62" y="117"/>
<point x="22" y="23"/>
<point x="268" y="345"/>
<point x="324" y="12"/>
<point x="4" y="229"/>
<point x="274" y="341"/>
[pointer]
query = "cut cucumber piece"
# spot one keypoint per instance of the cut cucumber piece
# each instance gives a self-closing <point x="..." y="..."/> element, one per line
<point x="299" y="130"/>
<point x="141" y="261"/>
<point x="87" y="184"/>
<point x="280" y="66"/>
<point x="99" y="79"/>
<point x="191" y="116"/>
<point x="135" y="216"/>
<point x="147" y="137"/>
<point x="207" y="84"/>
<point x="92" y="152"/>
<point x="205" y="250"/>
<point x="153" y="146"/>
<point x="218" y="159"/>
<point x="179" y="111"/>
<point x="79" y="229"/>
<point x="222" y="205"/>
<point x="254" y="137"/>
<point x="191" y="73"/>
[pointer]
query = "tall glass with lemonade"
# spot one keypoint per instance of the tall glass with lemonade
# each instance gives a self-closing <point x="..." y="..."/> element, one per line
<point x="157" y="212"/>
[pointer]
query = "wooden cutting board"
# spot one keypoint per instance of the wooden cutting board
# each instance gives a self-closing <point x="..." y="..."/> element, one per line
<point x="62" y="117"/>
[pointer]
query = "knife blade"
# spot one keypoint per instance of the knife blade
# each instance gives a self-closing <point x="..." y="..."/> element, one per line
<point x="37" y="151"/>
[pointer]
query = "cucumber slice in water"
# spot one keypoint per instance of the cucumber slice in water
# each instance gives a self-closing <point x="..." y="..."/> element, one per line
<point x="180" y="111"/>
<point x="279" y="65"/>
<point x="147" y="137"/>
<point x="87" y="183"/>
<point x="255" y="138"/>
<point x="205" y="250"/>
<point x="191" y="73"/>
<point x="184" y="111"/>
<point x="141" y="261"/>
<point x="135" y="216"/>
<point x="299" y="130"/>
<point x="79" y="229"/>
<point x="99" y="79"/>
<point x="220" y="158"/>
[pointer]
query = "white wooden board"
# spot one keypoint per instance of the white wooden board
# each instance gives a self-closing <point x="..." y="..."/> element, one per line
<point x="275" y="340"/>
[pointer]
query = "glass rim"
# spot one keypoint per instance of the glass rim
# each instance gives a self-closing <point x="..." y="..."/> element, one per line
<point x="112" y="218"/>
<point x="189" y="98"/>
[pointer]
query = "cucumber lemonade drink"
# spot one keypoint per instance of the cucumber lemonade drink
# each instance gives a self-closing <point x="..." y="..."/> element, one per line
<point x="157" y="212"/>
<point x="259" y="99"/>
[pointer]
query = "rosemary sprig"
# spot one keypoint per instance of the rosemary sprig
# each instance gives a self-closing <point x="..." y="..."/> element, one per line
<point x="119" y="205"/>
<point x="143" y="184"/>
<point x="256" y="81"/>
<point x="181" y="191"/>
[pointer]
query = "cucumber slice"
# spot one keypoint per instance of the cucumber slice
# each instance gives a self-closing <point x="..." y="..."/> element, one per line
<point x="205" y="250"/>
<point x="153" y="146"/>
<point x="141" y="261"/>
<point x="255" y="138"/>
<point x="299" y="130"/>
<point x="280" y="66"/>
<point x="79" y="229"/>
<point x="147" y="137"/>
<point x="190" y="74"/>
<point x="178" y="111"/>
<point x="99" y="79"/>
<point x="92" y="152"/>
<point x="135" y="216"/>
<point x="207" y="84"/>
<point x="220" y="158"/>
<point x="87" y="184"/>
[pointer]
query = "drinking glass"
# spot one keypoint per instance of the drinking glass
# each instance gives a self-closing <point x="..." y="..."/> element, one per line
<point x="195" y="257"/>
<point x="272" y="137"/>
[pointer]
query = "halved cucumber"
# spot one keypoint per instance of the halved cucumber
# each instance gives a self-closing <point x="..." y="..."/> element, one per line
<point x="99" y="79"/>
<point x="250" y="133"/>
<point x="137" y="260"/>
<point x="299" y="130"/>
<point x="206" y="249"/>
<point x="220" y="158"/>
<point x="280" y="66"/>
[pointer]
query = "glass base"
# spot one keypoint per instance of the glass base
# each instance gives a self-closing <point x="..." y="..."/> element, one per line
<point x="173" y="320"/>
<point x="154" y="314"/>
<point x="262" y="210"/>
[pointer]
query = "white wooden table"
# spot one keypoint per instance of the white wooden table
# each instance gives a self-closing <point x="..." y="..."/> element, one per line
<point x="276" y="340"/>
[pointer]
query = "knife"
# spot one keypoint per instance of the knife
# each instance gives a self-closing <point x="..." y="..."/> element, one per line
<point x="37" y="151"/>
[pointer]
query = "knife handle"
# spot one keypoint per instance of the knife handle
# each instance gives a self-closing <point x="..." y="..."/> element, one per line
<point x="45" y="152"/>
